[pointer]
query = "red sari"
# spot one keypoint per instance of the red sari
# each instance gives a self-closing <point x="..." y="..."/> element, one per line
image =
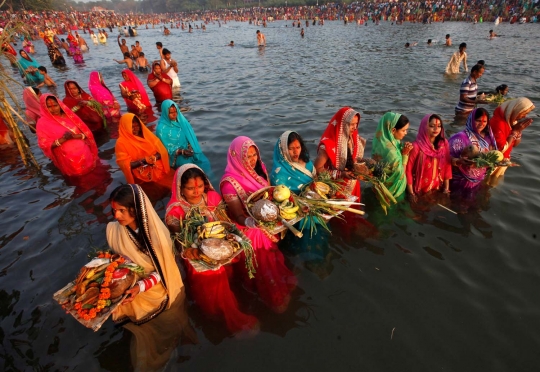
<point x="136" y="98"/>
<point x="210" y="289"/>
<point x="334" y="142"/>
<point x="162" y="90"/>
<point x="91" y="113"/>
<point x="75" y="157"/>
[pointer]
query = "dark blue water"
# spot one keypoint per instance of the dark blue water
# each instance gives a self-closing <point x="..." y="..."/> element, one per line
<point x="420" y="290"/>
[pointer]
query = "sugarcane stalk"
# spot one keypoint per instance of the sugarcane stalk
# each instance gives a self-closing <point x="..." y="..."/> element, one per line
<point x="337" y="206"/>
<point x="290" y="227"/>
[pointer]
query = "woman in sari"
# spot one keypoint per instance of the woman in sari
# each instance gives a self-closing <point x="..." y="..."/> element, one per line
<point x="65" y="139"/>
<point x="28" y="68"/>
<point x="160" y="83"/>
<point x="291" y="166"/>
<point x="136" y="98"/>
<point x="139" y="235"/>
<point x="85" y="107"/>
<point x="246" y="173"/>
<point x="102" y="94"/>
<point x="28" y="46"/>
<point x="140" y="154"/>
<point x="75" y="51"/>
<point x="340" y="149"/>
<point x="429" y="167"/>
<point x="176" y="134"/>
<point x="476" y="137"/>
<point x="508" y="122"/>
<point x="210" y="289"/>
<point x="31" y="101"/>
<point x="387" y="147"/>
<point x="56" y="57"/>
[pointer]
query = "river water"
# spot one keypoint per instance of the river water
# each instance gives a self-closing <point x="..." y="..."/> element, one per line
<point x="420" y="290"/>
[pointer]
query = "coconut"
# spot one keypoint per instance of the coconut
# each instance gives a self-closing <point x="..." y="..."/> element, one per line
<point x="217" y="249"/>
<point x="265" y="210"/>
<point x="281" y="193"/>
<point x="119" y="286"/>
<point x="470" y="152"/>
<point x="500" y="155"/>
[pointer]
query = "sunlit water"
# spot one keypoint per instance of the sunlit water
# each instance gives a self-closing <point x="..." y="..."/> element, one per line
<point x="420" y="290"/>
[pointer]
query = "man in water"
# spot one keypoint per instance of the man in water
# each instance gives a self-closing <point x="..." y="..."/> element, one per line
<point x="261" y="39"/>
<point x="468" y="92"/>
<point x="448" y="40"/>
<point x="492" y="34"/>
<point x="159" y="47"/>
<point x="170" y="67"/>
<point x="123" y="47"/>
<point x="231" y="43"/>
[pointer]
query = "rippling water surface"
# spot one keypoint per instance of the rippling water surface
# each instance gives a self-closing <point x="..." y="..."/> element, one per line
<point x="420" y="290"/>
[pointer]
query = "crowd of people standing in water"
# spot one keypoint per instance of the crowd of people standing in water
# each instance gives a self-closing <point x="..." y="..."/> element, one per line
<point x="171" y="158"/>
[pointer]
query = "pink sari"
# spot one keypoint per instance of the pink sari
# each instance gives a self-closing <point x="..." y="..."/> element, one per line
<point x="273" y="280"/>
<point x="102" y="94"/>
<point x="210" y="289"/>
<point x="31" y="101"/>
<point x="136" y="98"/>
<point x="428" y="167"/>
<point x="74" y="157"/>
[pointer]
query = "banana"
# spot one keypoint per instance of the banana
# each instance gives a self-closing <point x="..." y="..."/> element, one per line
<point x="291" y="209"/>
<point x="213" y="223"/>
<point x="266" y="195"/>
<point x="216" y="236"/>
<point x="321" y="194"/>
<point x="287" y="216"/>
<point x="322" y="187"/>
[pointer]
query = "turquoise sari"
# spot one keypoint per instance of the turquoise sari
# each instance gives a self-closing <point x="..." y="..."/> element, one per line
<point x="387" y="148"/>
<point x="34" y="78"/>
<point x="179" y="135"/>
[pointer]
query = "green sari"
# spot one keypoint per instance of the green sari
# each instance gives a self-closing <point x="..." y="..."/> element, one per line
<point x="387" y="148"/>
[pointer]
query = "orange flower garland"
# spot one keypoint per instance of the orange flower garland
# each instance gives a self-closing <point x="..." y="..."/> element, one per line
<point x="105" y="292"/>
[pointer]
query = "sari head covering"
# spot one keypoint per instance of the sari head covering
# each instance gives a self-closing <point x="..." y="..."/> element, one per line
<point x="130" y="147"/>
<point x="239" y="173"/>
<point x="285" y="171"/>
<point x="179" y="134"/>
<point x="476" y="139"/>
<point x="75" y="157"/>
<point x="503" y="120"/>
<point x="134" y="84"/>
<point x="91" y="113"/>
<point x="33" y="78"/>
<point x="152" y="249"/>
<point x="336" y="138"/>
<point x="387" y="148"/>
<point x="161" y="90"/>
<point x="31" y="101"/>
<point x="177" y="199"/>
<point x="422" y="169"/>
<point x="102" y="94"/>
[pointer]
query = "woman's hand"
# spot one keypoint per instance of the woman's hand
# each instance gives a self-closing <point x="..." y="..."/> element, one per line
<point x="522" y="124"/>
<point x="67" y="136"/>
<point x="192" y="254"/>
<point x="413" y="198"/>
<point x="407" y="147"/>
<point x="131" y="294"/>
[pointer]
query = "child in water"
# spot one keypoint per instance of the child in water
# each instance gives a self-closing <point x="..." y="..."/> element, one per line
<point x="48" y="81"/>
<point x="127" y="60"/>
<point x="142" y="62"/>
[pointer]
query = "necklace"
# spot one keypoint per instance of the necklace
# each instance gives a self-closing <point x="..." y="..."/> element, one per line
<point x="198" y="204"/>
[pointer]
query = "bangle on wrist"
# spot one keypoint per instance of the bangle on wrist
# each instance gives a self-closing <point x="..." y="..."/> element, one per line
<point x="57" y="143"/>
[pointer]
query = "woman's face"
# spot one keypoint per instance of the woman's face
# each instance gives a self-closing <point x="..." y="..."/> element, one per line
<point x="252" y="156"/>
<point x="122" y="215"/>
<point x="524" y="114"/>
<point x="136" y="127"/>
<point x="480" y="123"/>
<point x="504" y="92"/>
<point x="399" y="134"/>
<point x="434" y="128"/>
<point x="125" y="76"/>
<point x="173" y="113"/>
<point x="157" y="69"/>
<point x="73" y="89"/>
<point x="193" y="189"/>
<point x="24" y="55"/>
<point x="53" y="106"/>
<point x="294" y="150"/>
<point x="354" y="124"/>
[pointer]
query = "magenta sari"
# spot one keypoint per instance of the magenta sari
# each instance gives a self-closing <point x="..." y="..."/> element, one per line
<point x="210" y="289"/>
<point x="31" y="101"/>
<point x="74" y="157"/>
<point x="428" y="167"/>
<point x="136" y="98"/>
<point x="273" y="280"/>
<point x="102" y="94"/>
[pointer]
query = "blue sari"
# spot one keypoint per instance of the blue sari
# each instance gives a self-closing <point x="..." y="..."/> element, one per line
<point x="178" y="135"/>
<point x="34" y="78"/>
<point x="285" y="172"/>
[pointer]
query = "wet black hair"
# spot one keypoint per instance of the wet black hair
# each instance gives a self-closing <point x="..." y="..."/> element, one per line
<point x="407" y="45"/>
<point x="42" y="68"/>
<point x="126" y="54"/>
<point x="429" y="41"/>
<point x="447" y="35"/>
<point x="477" y="67"/>
<point x="36" y="90"/>
<point x="194" y="173"/>
<point x="304" y="154"/>
<point x="501" y="88"/>
<point x="165" y="51"/>
<point x="159" y="44"/>
<point x="402" y="121"/>
<point x="490" y="31"/>
<point x="123" y="195"/>
<point x="462" y="45"/>
<point x="481" y="62"/>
